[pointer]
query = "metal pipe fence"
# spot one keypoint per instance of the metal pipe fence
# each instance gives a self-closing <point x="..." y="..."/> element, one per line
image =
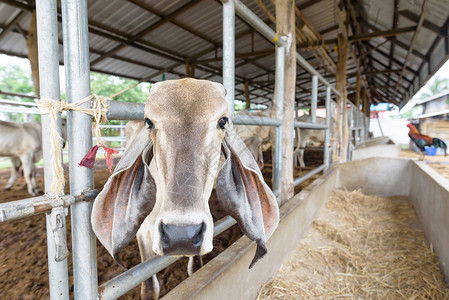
<point x="229" y="53"/>
<point x="309" y="174"/>
<point x="122" y="283"/>
<point x="313" y="125"/>
<point x="76" y="58"/>
<point x="19" y="209"/>
<point x="76" y="62"/>
<point x="17" y="103"/>
<point x="314" y="98"/>
<point x="48" y="55"/>
<point x="279" y="86"/>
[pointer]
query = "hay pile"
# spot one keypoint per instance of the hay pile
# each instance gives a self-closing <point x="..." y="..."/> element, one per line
<point x="361" y="247"/>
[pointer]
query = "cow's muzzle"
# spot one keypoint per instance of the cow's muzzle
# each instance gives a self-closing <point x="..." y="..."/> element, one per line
<point x="181" y="239"/>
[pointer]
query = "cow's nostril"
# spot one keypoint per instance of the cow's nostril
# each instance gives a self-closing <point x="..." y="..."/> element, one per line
<point x="163" y="232"/>
<point x="198" y="237"/>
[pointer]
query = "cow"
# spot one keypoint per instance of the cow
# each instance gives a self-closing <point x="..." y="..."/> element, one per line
<point x="22" y="143"/>
<point x="256" y="138"/>
<point x="131" y="128"/>
<point x="161" y="186"/>
<point x="307" y="137"/>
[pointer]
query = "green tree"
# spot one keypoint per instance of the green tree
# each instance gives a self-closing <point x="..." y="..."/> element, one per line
<point x="14" y="79"/>
<point x="17" y="79"/>
<point x="435" y="86"/>
<point x="107" y="85"/>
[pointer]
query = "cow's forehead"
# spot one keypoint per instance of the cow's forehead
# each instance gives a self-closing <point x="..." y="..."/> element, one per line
<point x="186" y="99"/>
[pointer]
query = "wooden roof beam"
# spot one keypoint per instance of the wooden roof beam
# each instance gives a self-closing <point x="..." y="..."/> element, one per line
<point x="170" y="18"/>
<point x="445" y="27"/>
<point x="329" y="29"/>
<point x="394" y="25"/>
<point x="310" y="32"/>
<point x="397" y="42"/>
<point x="412" y="43"/>
<point x="308" y="4"/>
<point x="426" y="24"/>
<point x="385" y="66"/>
<point x="11" y="24"/>
<point x="395" y="60"/>
<point x="255" y="54"/>
<point x="356" y="38"/>
<point x="147" y="30"/>
<point x="193" y="57"/>
<point x="95" y="51"/>
<point x="18" y="4"/>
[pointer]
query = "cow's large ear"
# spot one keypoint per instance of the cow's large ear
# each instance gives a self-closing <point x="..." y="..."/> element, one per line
<point x="244" y="195"/>
<point x="127" y="197"/>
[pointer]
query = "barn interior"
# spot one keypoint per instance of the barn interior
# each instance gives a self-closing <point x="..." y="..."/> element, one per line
<point x="346" y="56"/>
<point x="395" y="46"/>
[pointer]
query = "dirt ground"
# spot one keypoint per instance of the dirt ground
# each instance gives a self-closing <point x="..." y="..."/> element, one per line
<point x="23" y="251"/>
<point x="439" y="163"/>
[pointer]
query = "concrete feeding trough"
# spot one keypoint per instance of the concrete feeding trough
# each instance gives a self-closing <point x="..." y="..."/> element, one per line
<point x="228" y="277"/>
<point x="377" y="147"/>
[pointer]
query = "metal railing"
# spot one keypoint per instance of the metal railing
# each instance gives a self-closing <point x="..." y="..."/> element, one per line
<point x="76" y="60"/>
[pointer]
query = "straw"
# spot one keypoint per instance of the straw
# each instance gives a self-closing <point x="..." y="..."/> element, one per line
<point x="361" y="247"/>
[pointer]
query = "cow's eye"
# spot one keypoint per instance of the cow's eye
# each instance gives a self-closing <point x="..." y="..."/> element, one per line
<point x="222" y="122"/>
<point x="149" y="123"/>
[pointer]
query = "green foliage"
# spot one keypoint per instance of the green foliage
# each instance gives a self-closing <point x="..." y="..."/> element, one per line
<point x="435" y="86"/>
<point x="17" y="79"/>
<point x="239" y="105"/>
<point x="107" y="85"/>
<point x="14" y="79"/>
<point x="409" y="114"/>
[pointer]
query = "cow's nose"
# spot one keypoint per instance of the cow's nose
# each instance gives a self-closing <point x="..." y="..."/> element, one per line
<point x="181" y="239"/>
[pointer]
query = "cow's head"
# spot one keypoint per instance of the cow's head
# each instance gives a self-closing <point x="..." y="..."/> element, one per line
<point x="168" y="172"/>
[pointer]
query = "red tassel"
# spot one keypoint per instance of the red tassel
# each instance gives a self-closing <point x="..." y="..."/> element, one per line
<point x="108" y="153"/>
<point x="89" y="159"/>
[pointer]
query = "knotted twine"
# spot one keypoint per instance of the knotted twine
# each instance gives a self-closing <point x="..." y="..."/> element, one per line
<point x="98" y="108"/>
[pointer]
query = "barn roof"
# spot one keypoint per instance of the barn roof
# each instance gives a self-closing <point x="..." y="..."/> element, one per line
<point x="397" y="44"/>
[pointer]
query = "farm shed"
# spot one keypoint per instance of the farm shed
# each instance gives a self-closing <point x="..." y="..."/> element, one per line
<point x="343" y="55"/>
<point x="434" y="120"/>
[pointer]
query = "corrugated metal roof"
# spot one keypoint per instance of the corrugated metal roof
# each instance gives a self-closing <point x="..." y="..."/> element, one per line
<point x="194" y="34"/>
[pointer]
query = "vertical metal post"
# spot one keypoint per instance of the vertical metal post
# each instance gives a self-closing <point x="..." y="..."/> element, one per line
<point x="351" y="130"/>
<point x="229" y="52"/>
<point x="76" y="62"/>
<point x="351" y="119"/>
<point x="362" y="124"/>
<point x="368" y="124"/>
<point x="326" y="158"/>
<point x="314" y="99"/>
<point x="357" y="126"/>
<point x="279" y="88"/>
<point x="47" y="34"/>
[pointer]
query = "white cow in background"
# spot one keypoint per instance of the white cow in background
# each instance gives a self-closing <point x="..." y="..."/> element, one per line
<point x="130" y="130"/>
<point x="307" y="137"/>
<point x="256" y="138"/>
<point x="22" y="142"/>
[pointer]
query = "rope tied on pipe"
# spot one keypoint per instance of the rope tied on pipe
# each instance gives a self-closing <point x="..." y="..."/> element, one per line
<point x="98" y="109"/>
